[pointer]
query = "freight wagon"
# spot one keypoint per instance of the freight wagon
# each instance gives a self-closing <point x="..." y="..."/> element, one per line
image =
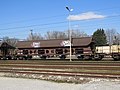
<point x="82" y="48"/>
<point x="108" y="51"/>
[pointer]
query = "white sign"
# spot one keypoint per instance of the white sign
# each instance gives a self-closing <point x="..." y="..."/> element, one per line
<point x="36" y="44"/>
<point x="65" y="43"/>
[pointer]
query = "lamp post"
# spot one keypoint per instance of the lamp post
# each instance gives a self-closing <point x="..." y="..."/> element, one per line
<point x="69" y="27"/>
<point x="31" y="32"/>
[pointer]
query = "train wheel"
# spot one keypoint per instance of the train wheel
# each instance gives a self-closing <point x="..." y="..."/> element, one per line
<point x="116" y="58"/>
<point x="62" y="56"/>
<point x="80" y="57"/>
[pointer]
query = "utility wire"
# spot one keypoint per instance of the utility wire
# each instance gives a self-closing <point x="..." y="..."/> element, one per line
<point x="45" y="18"/>
<point x="50" y="23"/>
<point x="33" y="19"/>
<point x="34" y="25"/>
<point x="81" y="27"/>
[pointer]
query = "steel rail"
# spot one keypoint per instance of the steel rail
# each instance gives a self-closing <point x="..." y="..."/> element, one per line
<point x="93" y="75"/>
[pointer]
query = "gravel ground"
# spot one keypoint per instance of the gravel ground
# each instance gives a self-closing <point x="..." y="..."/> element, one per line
<point x="32" y="84"/>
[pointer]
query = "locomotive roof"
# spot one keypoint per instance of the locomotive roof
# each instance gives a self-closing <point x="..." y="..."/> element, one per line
<point x="84" y="41"/>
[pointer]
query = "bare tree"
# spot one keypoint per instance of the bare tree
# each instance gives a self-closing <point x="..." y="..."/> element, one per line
<point x="55" y="35"/>
<point x="34" y="36"/>
<point x="110" y="34"/>
<point x="62" y="35"/>
<point x="117" y="39"/>
<point x="77" y="34"/>
<point x="10" y="41"/>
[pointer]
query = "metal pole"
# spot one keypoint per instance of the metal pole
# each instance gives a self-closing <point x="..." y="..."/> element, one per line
<point x="70" y="38"/>
<point x="69" y="27"/>
<point x="31" y="34"/>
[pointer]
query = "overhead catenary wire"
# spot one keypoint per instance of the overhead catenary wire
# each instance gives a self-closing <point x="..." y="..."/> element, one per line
<point x="41" y="26"/>
<point x="55" y="16"/>
<point x="88" y="27"/>
<point x="49" y="23"/>
<point x="33" y="19"/>
<point x="112" y="22"/>
<point x="34" y="25"/>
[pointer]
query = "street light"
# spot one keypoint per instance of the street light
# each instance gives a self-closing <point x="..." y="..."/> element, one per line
<point x="31" y="33"/>
<point x="69" y="30"/>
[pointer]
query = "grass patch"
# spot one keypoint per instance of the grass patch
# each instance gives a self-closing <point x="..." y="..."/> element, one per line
<point x="94" y="71"/>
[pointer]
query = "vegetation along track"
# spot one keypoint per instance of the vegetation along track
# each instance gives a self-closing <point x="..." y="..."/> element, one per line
<point x="104" y="69"/>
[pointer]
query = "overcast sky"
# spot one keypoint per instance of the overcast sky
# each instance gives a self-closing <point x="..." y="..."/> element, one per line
<point x="18" y="17"/>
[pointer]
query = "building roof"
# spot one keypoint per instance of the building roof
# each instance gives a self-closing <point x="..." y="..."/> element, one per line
<point x="6" y="45"/>
<point x="84" y="41"/>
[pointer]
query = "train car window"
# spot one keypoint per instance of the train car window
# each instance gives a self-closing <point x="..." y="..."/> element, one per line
<point x="79" y="51"/>
<point x="41" y="51"/>
<point x="25" y="51"/>
<point x="35" y="51"/>
<point x="21" y="51"/>
<point x="30" y="52"/>
<point x="65" y="50"/>
<point x="47" y="51"/>
<point x="72" y="50"/>
<point x="59" y="51"/>
<point x="52" y="51"/>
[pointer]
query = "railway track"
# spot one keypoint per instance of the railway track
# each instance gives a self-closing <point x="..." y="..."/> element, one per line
<point x="63" y="68"/>
<point x="60" y="72"/>
<point x="58" y="62"/>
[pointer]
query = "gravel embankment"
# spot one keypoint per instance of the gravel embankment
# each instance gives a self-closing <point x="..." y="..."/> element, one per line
<point x="32" y="84"/>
